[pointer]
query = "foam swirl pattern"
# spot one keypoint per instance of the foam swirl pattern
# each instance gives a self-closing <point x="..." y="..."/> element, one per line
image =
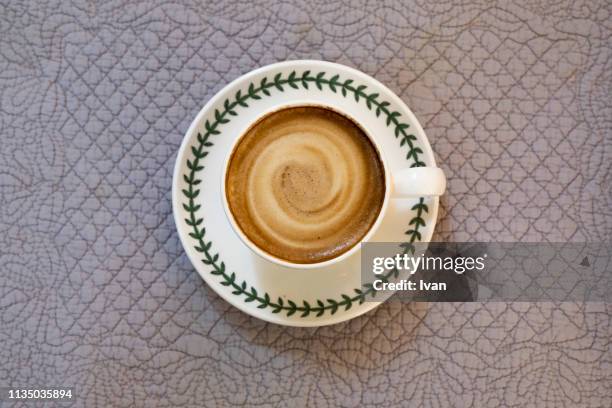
<point x="305" y="184"/>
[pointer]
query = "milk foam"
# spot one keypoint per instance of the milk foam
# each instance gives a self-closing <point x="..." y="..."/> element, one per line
<point x="305" y="184"/>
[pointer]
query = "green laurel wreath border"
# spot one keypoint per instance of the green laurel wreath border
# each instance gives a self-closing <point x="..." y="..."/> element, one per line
<point x="223" y="116"/>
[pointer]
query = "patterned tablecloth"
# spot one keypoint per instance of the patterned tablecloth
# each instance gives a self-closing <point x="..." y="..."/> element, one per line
<point x="96" y="291"/>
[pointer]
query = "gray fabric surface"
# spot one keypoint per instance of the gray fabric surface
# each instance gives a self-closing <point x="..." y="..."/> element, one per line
<point x="97" y="293"/>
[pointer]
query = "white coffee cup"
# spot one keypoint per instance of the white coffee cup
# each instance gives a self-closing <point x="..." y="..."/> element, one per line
<point x="409" y="182"/>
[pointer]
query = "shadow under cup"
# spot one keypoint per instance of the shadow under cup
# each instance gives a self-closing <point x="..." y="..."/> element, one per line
<point x="304" y="185"/>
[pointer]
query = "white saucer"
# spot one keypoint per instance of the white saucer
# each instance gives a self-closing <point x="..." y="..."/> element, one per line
<point x="264" y="290"/>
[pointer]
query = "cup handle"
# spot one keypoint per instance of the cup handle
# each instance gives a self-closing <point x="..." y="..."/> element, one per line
<point x="419" y="182"/>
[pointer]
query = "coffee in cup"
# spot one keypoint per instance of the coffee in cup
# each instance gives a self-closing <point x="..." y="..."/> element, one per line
<point x="305" y="184"/>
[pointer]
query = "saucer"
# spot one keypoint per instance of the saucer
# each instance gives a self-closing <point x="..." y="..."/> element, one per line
<point x="270" y="292"/>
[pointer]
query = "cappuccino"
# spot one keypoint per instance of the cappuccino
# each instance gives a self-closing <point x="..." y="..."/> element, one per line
<point x="305" y="184"/>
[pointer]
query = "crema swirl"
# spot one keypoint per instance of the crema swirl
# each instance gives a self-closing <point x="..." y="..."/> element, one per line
<point x="305" y="184"/>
